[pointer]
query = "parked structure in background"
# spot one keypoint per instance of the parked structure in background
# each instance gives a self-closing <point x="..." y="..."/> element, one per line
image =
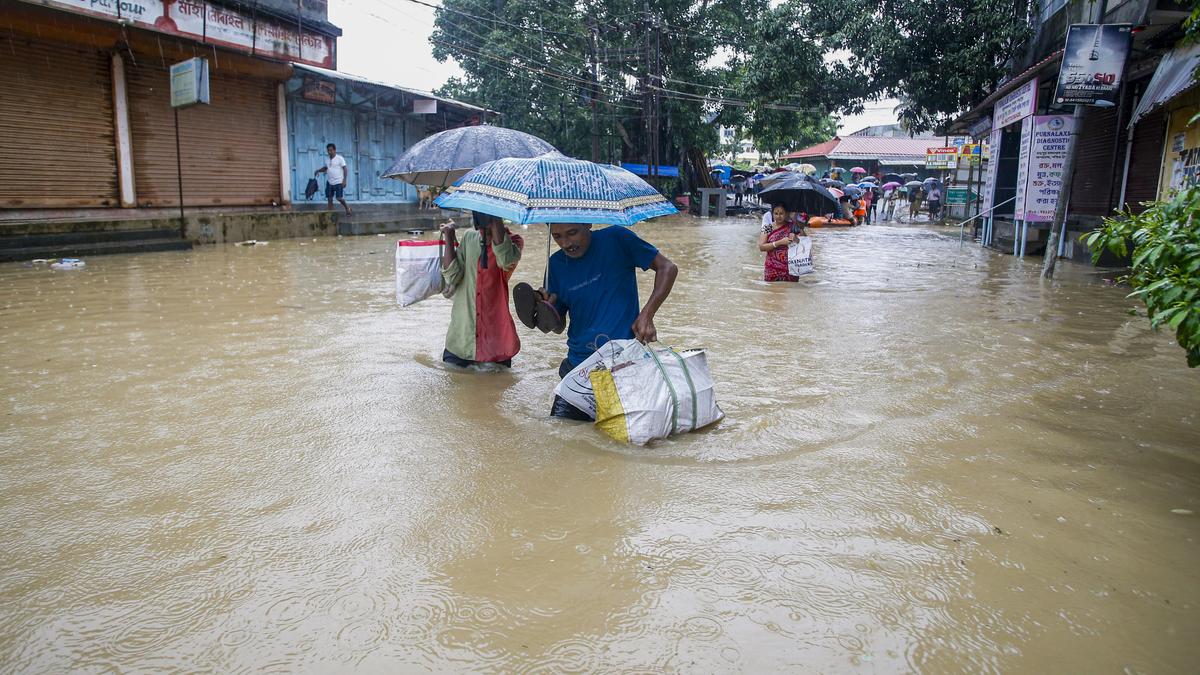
<point x="891" y="131"/>
<point x="90" y="141"/>
<point x="876" y="154"/>
<point x="1122" y="149"/>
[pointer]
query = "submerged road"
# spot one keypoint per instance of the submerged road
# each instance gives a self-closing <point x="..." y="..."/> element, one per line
<point x="250" y="459"/>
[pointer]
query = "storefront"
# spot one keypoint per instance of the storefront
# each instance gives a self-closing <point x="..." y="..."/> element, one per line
<point x="56" y="110"/>
<point x="1174" y="96"/>
<point x="371" y="124"/>
<point x="230" y="148"/>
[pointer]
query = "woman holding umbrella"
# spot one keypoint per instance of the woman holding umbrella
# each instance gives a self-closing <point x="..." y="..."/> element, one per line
<point x="783" y="231"/>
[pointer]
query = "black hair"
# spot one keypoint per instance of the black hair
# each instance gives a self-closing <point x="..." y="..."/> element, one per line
<point x="330" y="145"/>
<point x="482" y="220"/>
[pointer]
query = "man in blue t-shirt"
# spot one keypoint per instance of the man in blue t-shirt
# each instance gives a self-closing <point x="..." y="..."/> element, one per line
<point x="592" y="282"/>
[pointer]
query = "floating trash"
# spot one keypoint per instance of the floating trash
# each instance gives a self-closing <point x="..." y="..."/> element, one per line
<point x="68" y="264"/>
<point x="252" y="242"/>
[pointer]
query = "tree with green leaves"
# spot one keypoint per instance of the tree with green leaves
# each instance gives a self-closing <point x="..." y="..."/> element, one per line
<point x="938" y="56"/>
<point x="533" y="63"/>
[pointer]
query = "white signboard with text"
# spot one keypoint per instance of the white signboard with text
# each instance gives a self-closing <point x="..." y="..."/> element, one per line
<point x="989" y="182"/>
<point x="1016" y="105"/>
<point x="1023" y="167"/>
<point x="1048" y="150"/>
<point x="213" y="24"/>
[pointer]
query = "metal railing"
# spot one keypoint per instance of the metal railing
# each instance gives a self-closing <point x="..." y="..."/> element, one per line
<point x="962" y="225"/>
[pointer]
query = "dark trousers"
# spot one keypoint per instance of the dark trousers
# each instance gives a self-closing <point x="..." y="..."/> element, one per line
<point x="455" y="360"/>
<point x="561" y="408"/>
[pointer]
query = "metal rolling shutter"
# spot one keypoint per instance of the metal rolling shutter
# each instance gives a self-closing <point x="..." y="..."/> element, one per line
<point x="1146" y="160"/>
<point x="1090" y="192"/>
<point x="230" y="148"/>
<point x="56" y="122"/>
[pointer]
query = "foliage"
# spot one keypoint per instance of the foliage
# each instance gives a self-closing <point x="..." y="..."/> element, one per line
<point x="1166" y="263"/>
<point x="531" y="61"/>
<point x="939" y="56"/>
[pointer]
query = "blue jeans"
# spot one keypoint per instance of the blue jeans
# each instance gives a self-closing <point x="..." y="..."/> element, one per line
<point x="561" y="408"/>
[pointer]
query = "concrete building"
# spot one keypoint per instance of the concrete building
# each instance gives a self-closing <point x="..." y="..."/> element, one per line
<point x="1119" y="147"/>
<point x="92" y="161"/>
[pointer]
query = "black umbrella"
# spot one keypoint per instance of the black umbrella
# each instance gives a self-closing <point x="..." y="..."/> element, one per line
<point x="444" y="157"/>
<point x="852" y="191"/>
<point x="799" y="195"/>
<point x="913" y="184"/>
<point x="908" y="176"/>
<point x="893" y="178"/>
<point x="829" y="182"/>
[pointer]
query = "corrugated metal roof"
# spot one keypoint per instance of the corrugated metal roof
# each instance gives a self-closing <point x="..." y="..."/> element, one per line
<point x="338" y="75"/>
<point x="870" y="147"/>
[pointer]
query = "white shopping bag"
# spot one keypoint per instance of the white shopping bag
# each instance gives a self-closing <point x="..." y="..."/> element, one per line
<point x="418" y="271"/>
<point x="800" y="257"/>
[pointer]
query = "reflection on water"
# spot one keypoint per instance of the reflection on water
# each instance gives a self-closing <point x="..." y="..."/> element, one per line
<point x="252" y="459"/>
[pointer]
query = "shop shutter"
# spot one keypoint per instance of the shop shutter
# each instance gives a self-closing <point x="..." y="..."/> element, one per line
<point x="230" y="147"/>
<point x="1090" y="192"/>
<point x="1146" y="160"/>
<point x="56" y="125"/>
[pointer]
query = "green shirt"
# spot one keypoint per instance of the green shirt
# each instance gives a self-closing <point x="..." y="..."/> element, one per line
<point x="462" y="336"/>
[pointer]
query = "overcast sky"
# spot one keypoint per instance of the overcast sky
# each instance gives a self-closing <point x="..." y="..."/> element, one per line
<point x="388" y="40"/>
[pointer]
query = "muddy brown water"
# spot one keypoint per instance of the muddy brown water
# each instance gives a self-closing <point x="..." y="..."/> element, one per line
<point x="250" y="459"/>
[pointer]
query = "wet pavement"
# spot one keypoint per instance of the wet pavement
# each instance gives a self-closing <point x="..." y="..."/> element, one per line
<point x="250" y="459"/>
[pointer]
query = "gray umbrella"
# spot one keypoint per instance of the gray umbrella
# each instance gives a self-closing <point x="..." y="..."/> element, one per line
<point x="444" y="157"/>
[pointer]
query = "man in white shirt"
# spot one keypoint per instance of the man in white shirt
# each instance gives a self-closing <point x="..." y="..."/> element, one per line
<point x="335" y="177"/>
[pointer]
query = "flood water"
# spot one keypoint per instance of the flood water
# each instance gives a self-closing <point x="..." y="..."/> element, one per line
<point x="250" y="459"/>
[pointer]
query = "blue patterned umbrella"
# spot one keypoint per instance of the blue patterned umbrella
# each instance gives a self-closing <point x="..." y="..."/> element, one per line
<point x="446" y="156"/>
<point x="553" y="188"/>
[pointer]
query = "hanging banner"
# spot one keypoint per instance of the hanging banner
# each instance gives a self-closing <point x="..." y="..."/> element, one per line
<point x="1093" y="61"/>
<point x="989" y="181"/>
<point x="1016" y="105"/>
<point x="941" y="158"/>
<point x="1048" y="150"/>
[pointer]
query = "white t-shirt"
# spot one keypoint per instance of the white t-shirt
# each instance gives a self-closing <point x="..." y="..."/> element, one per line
<point x="335" y="168"/>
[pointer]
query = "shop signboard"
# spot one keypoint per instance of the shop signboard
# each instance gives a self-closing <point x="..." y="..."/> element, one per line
<point x="1016" y="105"/>
<point x="1023" y="168"/>
<point x="189" y="82"/>
<point x="1048" y="149"/>
<point x="989" y="181"/>
<point x="1093" y="61"/>
<point x="970" y="153"/>
<point x="208" y="23"/>
<point x="941" y="158"/>
<point x="957" y="195"/>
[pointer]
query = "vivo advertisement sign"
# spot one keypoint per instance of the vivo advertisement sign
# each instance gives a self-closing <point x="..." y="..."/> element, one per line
<point x="1093" y="61"/>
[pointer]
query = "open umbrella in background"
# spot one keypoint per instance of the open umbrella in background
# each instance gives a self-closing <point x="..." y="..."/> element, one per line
<point x="800" y="195"/>
<point x="913" y="184"/>
<point x="808" y="169"/>
<point x="835" y="192"/>
<point x="857" y="169"/>
<point x="870" y="179"/>
<point x="893" y="178"/>
<point x="829" y="182"/>
<point x="852" y="191"/>
<point x="444" y="157"/>
<point x="891" y="185"/>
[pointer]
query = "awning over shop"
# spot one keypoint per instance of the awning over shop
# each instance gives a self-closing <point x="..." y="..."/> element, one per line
<point x="1172" y="77"/>
<point x="457" y="106"/>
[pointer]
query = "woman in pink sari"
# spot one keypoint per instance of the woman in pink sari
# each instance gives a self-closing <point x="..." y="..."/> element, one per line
<point x="776" y="236"/>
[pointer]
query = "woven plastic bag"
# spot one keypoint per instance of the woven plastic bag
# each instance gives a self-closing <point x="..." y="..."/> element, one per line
<point x="418" y="271"/>
<point x="644" y="394"/>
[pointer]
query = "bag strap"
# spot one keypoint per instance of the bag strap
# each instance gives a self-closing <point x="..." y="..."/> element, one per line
<point x="671" y="388"/>
<point x="691" y="385"/>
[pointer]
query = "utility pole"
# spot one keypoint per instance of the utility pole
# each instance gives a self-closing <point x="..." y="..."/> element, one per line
<point x="595" y="91"/>
<point x="648" y="95"/>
